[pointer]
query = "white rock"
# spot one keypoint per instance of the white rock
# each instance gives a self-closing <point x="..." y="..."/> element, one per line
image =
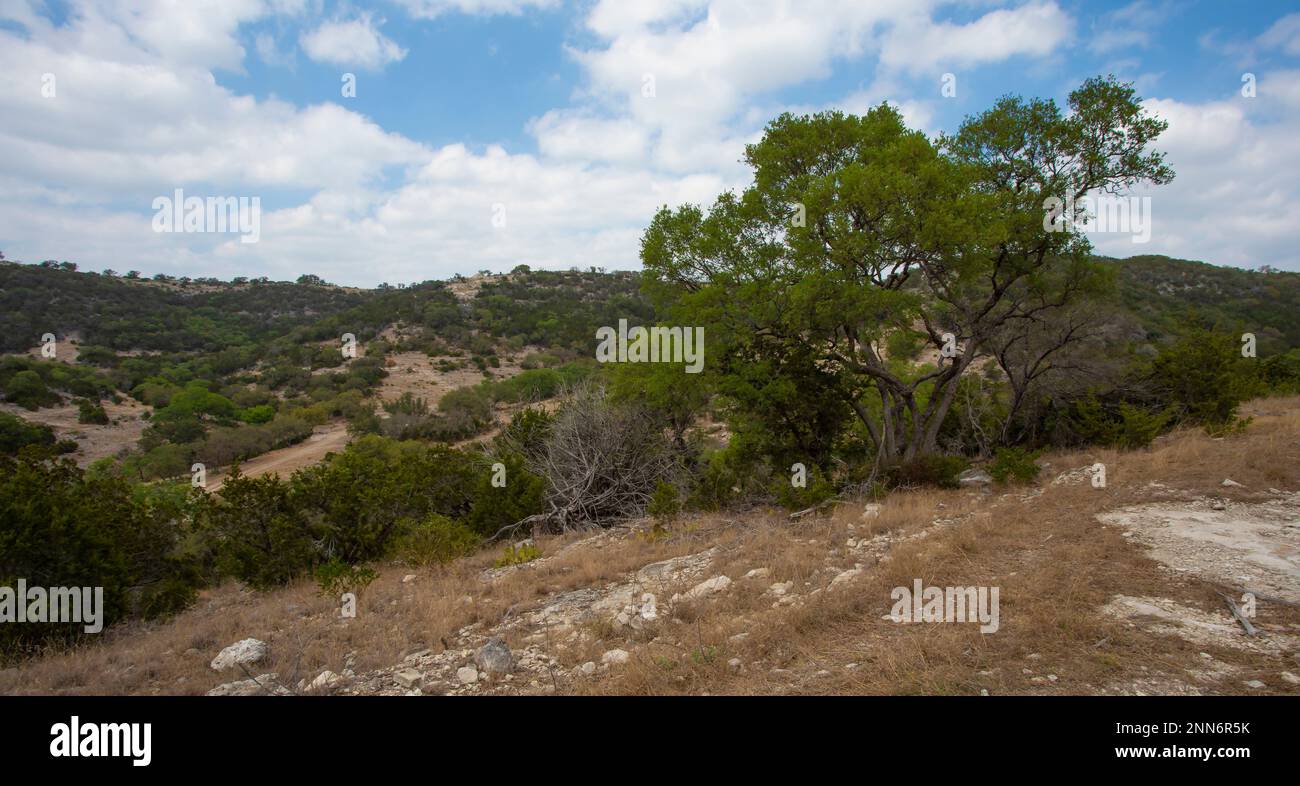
<point x="974" y="477"/>
<point x="243" y="653"/>
<point x="614" y="657"/>
<point x="871" y="510"/>
<point x="780" y="588"/>
<point x="408" y="578"/>
<point x="758" y="573"/>
<point x="408" y="678"/>
<point x="324" y="681"/>
<point x="467" y="675"/>
<point x="258" y="686"/>
<point x="1256" y="684"/>
<point x="710" y="587"/>
<point x="495" y="657"/>
<point x="1230" y="482"/>
<point x="649" y="609"/>
<point x="588" y="668"/>
<point x="846" y="577"/>
<point x="1291" y="678"/>
<point x="735" y="665"/>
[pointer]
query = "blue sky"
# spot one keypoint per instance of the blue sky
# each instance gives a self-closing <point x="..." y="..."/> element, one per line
<point x="488" y="133"/>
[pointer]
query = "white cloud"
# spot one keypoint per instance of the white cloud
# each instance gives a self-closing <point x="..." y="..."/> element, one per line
<point x="922" y="46"/>
<point x="140" y="113"/>
<point x="1129" y="27"/>
<point x="1284" y="34"/>
<point x="429" y="9"/>
<point x="353" y="43"/>
<point x="576" y="136"/>
<point x="1234" y="199"/>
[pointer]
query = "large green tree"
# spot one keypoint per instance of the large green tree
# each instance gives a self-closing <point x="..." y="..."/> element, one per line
<point x="857" y="231"/>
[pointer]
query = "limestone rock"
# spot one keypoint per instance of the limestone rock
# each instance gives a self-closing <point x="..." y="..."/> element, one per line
<point x="495" y="657"/>
<point x="243" y="653"/>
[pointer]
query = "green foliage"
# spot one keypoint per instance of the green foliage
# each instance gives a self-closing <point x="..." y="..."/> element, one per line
<point x="16" y="434"/>
<point x="817" y="489"/>
<point x="526" y="433"/>
<point x="257" y="415"/>
<point x="336" y="577"/>
<point x="91" y="412"/>
<point x="795" y="328"/>
<point x="259" y="533"/>
<point x="1204" y="377"/>
<point x="1281" y="373"/>
<point x="728" y="475"/>
<point x="1166" y="294"/>
<point x="408" y="404"/>
<point x="518" y="554"/>
<point x="497" y="507"/>
<point x="664" y="504"/>
<point x="361" y="498"/>
<point x="1122" y="426"/>
<point x="435" y="539"/>
<point x="928" y="470"/>
<point x="28" y="390"/>
<point x="1014" y="465"/>
<point x="65" y="528"/>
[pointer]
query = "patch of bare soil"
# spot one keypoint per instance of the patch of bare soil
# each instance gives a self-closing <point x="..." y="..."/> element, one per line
<point x="417" y="373"/>
<point x="1255" y="545"/>
<point x="94" y="442"/>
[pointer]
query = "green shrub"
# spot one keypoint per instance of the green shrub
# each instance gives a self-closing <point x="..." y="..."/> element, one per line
<point x="28" y="390"/>
<point x="1205" y="378"/>
<point x="259" y="532"/>
<point x="929" y="470"/>
<point x="817" y="490"/>
<point x="1122" y="426"/>
<point x="435" y="539"/>
<point x="497" y="507"/>
<point x="337" y="577"/>
<point x="91" y="412"/>
<point x="257" y="415"/>
<point x="65" y="528"/>
<point x="1014" y="465"/>
<point x="16" y="434"/>
<point x="665" y="504"/>
<point x="518" y="555"/>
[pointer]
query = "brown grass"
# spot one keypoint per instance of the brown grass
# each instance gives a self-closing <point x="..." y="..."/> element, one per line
<point x="1054" y="563"/>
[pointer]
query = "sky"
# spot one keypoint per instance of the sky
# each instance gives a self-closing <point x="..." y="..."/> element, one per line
<point x="400" y="141"/>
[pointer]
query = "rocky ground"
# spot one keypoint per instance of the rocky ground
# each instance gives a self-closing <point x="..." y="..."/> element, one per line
<point x="1121" y="588"/>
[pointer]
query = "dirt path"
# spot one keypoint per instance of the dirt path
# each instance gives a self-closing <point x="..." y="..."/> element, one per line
<point x="330" y="438"/>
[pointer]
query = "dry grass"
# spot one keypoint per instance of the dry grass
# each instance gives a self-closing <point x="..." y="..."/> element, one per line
<point x="1054" y="563"/>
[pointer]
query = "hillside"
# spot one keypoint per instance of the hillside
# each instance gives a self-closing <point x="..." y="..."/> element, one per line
<point x="1098" y="595"/>
<point x="1164" y="292"/>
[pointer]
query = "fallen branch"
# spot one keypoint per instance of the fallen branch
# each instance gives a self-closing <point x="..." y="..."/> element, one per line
<point x="1236" y="612"/>
<point x="801" y="513"/>
<point x="1262" y="596"/>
